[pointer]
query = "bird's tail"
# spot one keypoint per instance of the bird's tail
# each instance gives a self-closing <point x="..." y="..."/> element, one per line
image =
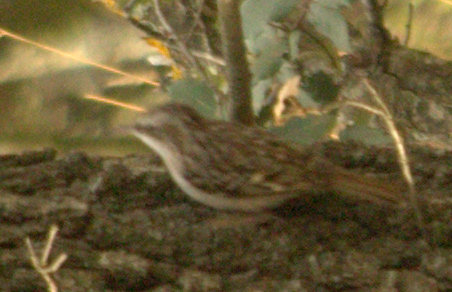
<point x="368" y="188"/>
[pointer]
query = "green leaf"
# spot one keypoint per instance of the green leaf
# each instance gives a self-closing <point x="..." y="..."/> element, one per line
<point x="267" y="37"/>
<point x="259" y="93"/>
<point x="194" y="93"/>
<point x="294" y="47"/>
<point x="327" y="18"/>
<point x="307" y="130"/>
<point x="321" y="87"/>
<point x="268" y="63"/>
<point x="367" y="135"/>
<point x="256" y="14"/>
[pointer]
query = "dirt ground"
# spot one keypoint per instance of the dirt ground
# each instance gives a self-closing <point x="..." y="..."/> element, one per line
<point x="126" y="227"/>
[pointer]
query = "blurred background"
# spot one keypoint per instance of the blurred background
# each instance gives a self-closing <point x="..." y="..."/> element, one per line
<point x="41" y="93"/>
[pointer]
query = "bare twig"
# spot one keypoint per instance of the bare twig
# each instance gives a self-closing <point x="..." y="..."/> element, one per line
<point x="209" y="57"/>
<point x="114" y="102"/>
<point x="181" y="45"/>
<point x="73" y="57"/>
<point x="409" y="23"/>
<point x="196" y="20"/>
<point x="386" y="116"/>
<point x="184" y="50"/>
<point x="398" y="140"/>
<point x="41" y="264"/>
<point x="365" y="107"/>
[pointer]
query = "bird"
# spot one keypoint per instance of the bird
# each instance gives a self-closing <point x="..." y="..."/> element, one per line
<point x="229" y="166"/>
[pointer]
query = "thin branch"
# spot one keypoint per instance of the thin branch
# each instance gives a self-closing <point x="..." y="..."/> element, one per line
<point x="41" y="264"/>
<point x="182" y="47"/>
<point x="75" y="58"/>
<point x="48" y="247"/>
<point x="385" y="114"/>
<point x="398" y="140"/>
<point x="184" y="50"/>
<point x="409" y="24"/>
<point x="196" y="20"/>
<point x="114" y="102"/>
<point x="209" y="57"/>
<point x="365" y="107"/>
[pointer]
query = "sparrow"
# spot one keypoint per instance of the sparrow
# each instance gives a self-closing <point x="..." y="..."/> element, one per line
<point x="229" y="166"/>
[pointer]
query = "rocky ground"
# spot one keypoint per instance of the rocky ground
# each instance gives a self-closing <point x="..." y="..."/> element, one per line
<point x="125" y="227"/>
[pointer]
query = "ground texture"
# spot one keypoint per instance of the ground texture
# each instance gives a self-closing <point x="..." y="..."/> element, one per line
<point x="126" y="227"/>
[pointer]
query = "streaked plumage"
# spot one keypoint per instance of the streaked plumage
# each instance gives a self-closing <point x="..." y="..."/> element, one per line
<point x="230" y="166"/>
